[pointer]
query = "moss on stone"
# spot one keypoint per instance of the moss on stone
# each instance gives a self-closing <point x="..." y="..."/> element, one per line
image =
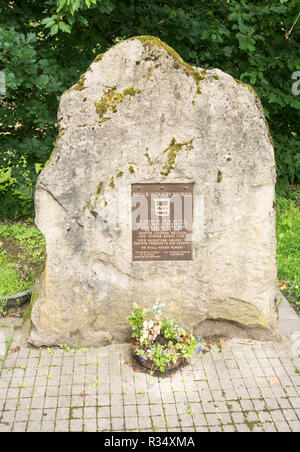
<point x="148" y="41"/>
<point x="150" y="161"/>
<point x="80" y="84"/>
<point x="269" y="133"/>
<point x="250" y="88"/>
<point x="99" y="189"/>
<point x="110" y="99"/>
<point x="130" y="92"/>
<point x="149" y="72"/>
<point x="131" y="169"/>
<point x="198" y="77"/>
<point x="172" y="151"/>
<point x="120" y="174"/>
<point x="89" y="204"/>
<point x="219" y="176"/>
<point x="112" y="183"/>
<point x="98" y="57"/>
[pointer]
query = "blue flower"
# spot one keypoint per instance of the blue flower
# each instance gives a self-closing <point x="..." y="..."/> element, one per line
<point x="199" y="349"/>
<point x="161" y="352"/>
<point x="199" y="339"/>
<point x="143" y="358"/>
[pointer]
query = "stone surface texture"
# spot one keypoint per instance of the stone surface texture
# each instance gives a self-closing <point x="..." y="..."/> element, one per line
<point x="118" y="126"/>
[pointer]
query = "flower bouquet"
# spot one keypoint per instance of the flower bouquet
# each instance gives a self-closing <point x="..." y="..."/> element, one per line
<point x="161" y="344"/>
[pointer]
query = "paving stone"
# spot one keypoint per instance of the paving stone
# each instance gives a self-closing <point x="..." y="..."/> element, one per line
<point x="201" y="429"/>
<point x="237" y="417"/>
<point x="157" y="410"/>
<point x="22" y="415"/>
<point x="186" y="420"/>
<point x="295" y="426"/>
<point x="212" y="419"/>
<point x="145" y="422"/>
<point x="130" y="410"/>
<point x="48" y="426"/>
<point x="62" y="413"/>
<point x="131" y="422"/>
<point x="228" y="391"/>
<point x="269" y="427"/>
<point x="229" y="428"/>
<point x="290" y="415"/>
<point x="103" y="412"/>
<point x="33" y="427"/>
<point x="215" y="428"/>
<point x="76" y="425"/>
<point x="242" y="428"/>
<point x="19" y="427"/>
<point x="295" y="402"/>
<point x="117" y="424"/>
<point x="90" y="425"/>
<point x="62" y="426"/>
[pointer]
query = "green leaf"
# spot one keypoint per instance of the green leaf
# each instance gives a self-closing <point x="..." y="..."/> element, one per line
<point x="83" y="20"/>
<point x="54" y="29"/>
<point x="64" y="27"/>
<point x="61" y="5"/>
<point x="76" y="5"/>
<point x="71" y="20"/>
<point x="46" y="20"/>
<point x="251" y="48"/>
<point x="295" y="104"/>
<point x="227" y="51"/>
<point x="50" y="24"/>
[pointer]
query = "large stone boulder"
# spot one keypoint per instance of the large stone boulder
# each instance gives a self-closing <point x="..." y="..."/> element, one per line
<point x="141" y="115"/>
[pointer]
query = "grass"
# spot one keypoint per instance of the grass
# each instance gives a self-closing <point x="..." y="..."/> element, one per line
<point x="22" y="252"/>
<point x="288" y="246"/>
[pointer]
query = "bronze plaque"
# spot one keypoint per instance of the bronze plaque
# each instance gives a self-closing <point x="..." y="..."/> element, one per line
<point x="162" y="222"/>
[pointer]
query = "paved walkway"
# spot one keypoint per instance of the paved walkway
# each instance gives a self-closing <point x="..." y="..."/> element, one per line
<point x="239" y="385"/>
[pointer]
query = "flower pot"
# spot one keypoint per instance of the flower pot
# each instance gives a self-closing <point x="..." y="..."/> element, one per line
<point x="150" y="365"/>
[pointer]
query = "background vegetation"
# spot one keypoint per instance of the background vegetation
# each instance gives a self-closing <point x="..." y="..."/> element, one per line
<point x="46" y="45"/>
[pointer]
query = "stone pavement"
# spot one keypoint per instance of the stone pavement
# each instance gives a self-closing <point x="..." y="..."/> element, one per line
<point x="240" y="385"/>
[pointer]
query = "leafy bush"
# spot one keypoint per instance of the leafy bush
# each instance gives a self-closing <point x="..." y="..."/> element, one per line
<point x="45" y="46"/>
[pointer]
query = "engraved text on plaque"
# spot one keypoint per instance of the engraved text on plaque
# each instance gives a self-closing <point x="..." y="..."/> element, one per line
<point x="162" y="222"/>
